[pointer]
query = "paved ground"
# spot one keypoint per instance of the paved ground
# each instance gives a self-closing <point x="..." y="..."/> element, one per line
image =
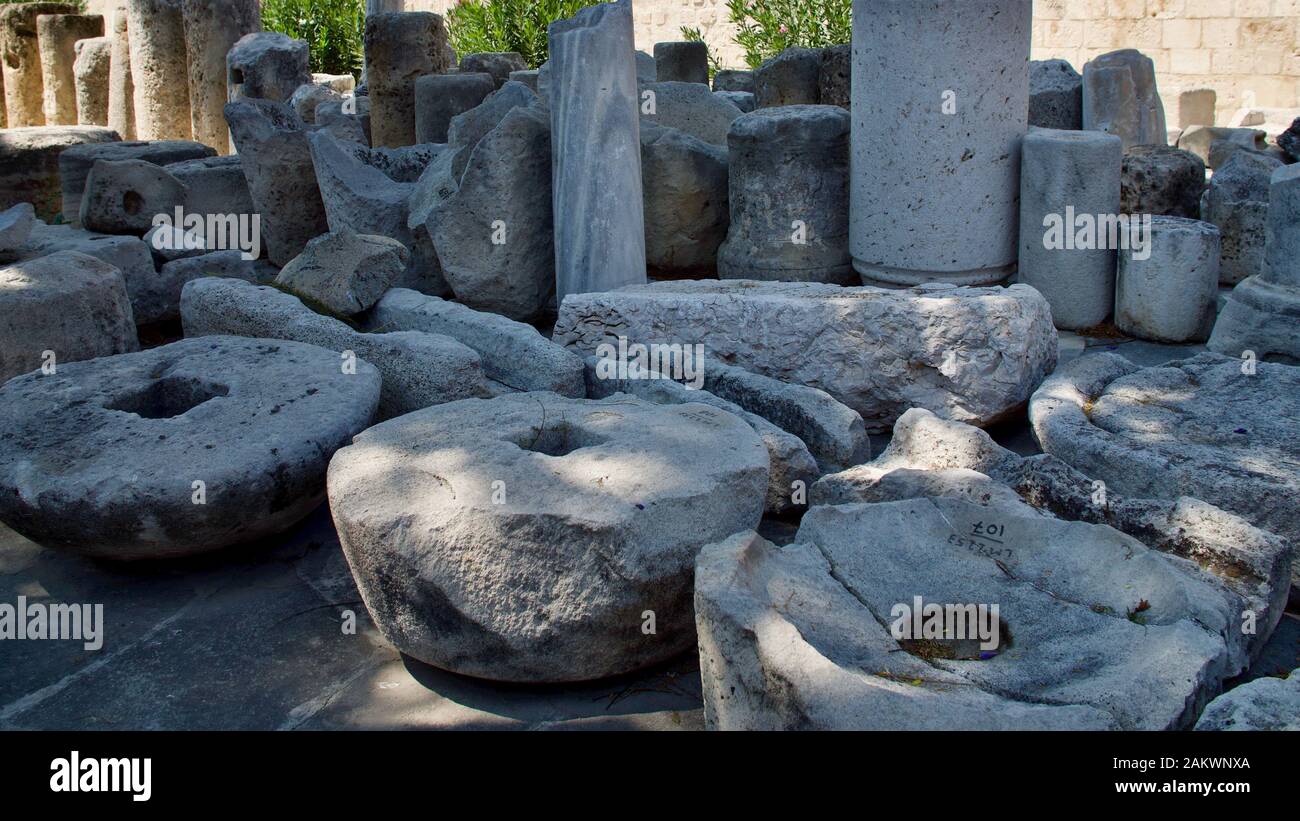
<point x="254" y="639"/>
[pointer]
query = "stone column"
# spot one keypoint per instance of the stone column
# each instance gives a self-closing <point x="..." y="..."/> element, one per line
<point x="682" y="61"/>
<point x="596" y="152"/>
<point x="940" y="103"/>
<point x="121" y="91"/>
<point x="439" y="97"/>
<point x="57" y="36"/>
<point x="156" y="33"/>
<point x="91" y="73"/>
<point x="1166" y="291"/>
<point x="21" y="61"/>
<point x="268" y="65"/>
<point x="1262" y="314"/>
<point x="789" y="175"/>
<point x="1066" y="176"/>
<point x="399" y="48"/>
<point x="211" y="28"/>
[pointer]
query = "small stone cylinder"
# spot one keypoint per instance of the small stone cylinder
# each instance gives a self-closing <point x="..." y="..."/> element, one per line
<point x="940" y="103"/>
<point x="91" y="73"/>
<point x="121" y="91"/>
<point x="20" y="57"/>
<point x="788" y="170"/>
<point x="399" y="48"/>
<point x="1168" y="292"/>
<point x="682" y="62"/>
<point x="439" y="97"/>
<point x="58" y="35"/>
<point x="1068" y="178"/>
<point x="159" y="73"/>
<point x="211" y="28"/>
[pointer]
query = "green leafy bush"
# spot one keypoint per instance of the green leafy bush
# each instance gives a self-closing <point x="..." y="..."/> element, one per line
<point x="508" y="25"/>
<point x="332" y="28"/>
<point x="765" y="28"/>
<point x="693" y="35"/>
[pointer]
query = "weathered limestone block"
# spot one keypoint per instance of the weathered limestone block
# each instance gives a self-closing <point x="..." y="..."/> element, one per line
<point x="1168" y="292"/>
<point x="684" y="185"/>
<point x="584" y="543"/>
<point x="789" y="78"/>
<point x="159" y="69"/>
<point x="104" y="457"/>
<point x="333" y="117"/>
<point x="835" y="79"/>
<point x="689" y="107"/>
<point x="742" y="100"/>
<point x="29" y="163"/>
<point x="493" y="230"/>
<point x="931" y="457"/>
<point x="1120" y="97"/>
<point x="311" y="96"/>
<point x="212" y="27"/>
<point x="1055" y="95"/>
<point x="67" y="303"/>
<point x="1237" y="202"/>
<point x="971" y="354"/>
<point x="1162" y="181"/>
<point x="938" y="199"/>
<point x="596" y="150"/>
<point x="1200" y="138"/>
<point x="733" y="80"/>
<point x="789" y="190"/>
<point x="801" y="637"/>
<point x="685" y="61"/>
<point x="15" y="227"/>
<point x="23" y="87"/>
<point x="1197" y="427"/>
<point x="344" y="272"/>
<point x="528" y="78"/>
<point x="418" y="369"/>
<point x="76" y="162"/>
<point x="399" y="48"/>
<point x="1196" y="107"/>
<point x="216" y="185"/>
<point x="268" y="65"/>
<point x="57" y="36"/>
<point x="1263" y="704"/>
<point x="90" y="74"/>
<point x="514" y="353"/>
<point x="499" y="64"/>
<point x="467" y="128"/>
<point x="124" y="196"/>
<point x="121" y="89"/>
<point x="1078" y="171"/>
<point x="276" y="159"/>
<point x="1262" y="314"/>
<point x="440" y="97"/>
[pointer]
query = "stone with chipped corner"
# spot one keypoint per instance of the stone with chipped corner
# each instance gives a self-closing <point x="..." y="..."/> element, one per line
<point x="1263" y="704"/>
<point x="343" y="271"/>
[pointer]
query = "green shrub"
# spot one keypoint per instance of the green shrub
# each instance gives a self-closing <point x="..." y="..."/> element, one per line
<point x="693" y="35"/>
<point x="332" y="28"/>
<point x="508" y="25"/>
<point x="765" y="28"/>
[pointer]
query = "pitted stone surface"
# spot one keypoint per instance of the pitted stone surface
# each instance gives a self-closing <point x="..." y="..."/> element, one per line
<point x="101" y="458"/>
<point x="604" y="507"/>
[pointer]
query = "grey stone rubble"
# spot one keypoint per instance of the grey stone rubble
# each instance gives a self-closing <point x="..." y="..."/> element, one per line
<point x="972" y="354"/>
<point x="499" y="65"/>
<point x="29" y="162"/>
<point x="440" y="97"/>
<point x="1120" y="97"/>
<point x="344" y="272"/>
<point x="1055" y="95"/>
<point x="684" y="182"/>
<point x="568" y="562"/>
<point x="310" y="96"/>
<point x="689" y="107"/>
<point x="742" y="100"/>
<point x="683" y="61"/>
<point x="1168" y="291"/>
<point x="1199" y="138"/>
<point x="1262" y="704"/>
<point x="399" y="48"/>
<point x="931" y="457"/>
<point x="418" y="369"/>
<point x="254" y="422"/>
<point x="1236" y="201"/>
<point x="75" y="163"/>
<point x="1162" y="181"/>
<point x="268" y="65"/>
<point x="1125" y="425"/>
<point x="123" y="196"/>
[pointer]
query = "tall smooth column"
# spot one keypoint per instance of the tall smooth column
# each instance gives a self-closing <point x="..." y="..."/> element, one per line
<point x="596" y="152"/>
<point x="156" y="32"/>
<point x="121" y="91"/>
<point x="940" y="96"/>
<point x="211" y="28"/>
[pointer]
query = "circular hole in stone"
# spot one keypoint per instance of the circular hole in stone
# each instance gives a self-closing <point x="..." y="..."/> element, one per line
<point x="557" y="439"/>
<point x="167" y="397"/>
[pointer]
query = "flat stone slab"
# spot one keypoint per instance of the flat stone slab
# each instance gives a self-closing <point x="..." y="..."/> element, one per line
<point x="970" y="354"/>
<point x="535" y="538"/>
<point x="1096" y="631"/>
<point x="1196" y="427"/>
<point x="102" y="457"/>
